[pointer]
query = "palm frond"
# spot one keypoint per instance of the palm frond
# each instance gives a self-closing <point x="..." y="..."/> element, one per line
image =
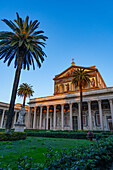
<point x="25" y="90"/>
<point x="9" y="24"/>
<point x="37" y="32"/>
<point x="26" y="38"/>
<point x="81" y="78"/>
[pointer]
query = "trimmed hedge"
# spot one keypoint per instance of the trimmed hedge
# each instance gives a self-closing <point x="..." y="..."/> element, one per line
<point x="12" y="136"/>
<point x="64" y="131"/>
<point x="66" y="134"/>
<point x="62" y="135"/>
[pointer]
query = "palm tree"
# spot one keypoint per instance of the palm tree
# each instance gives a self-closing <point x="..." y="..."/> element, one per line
<point x="81" y="79"/>
<point x="24" y="45"/>
<point x="25" y="90"/>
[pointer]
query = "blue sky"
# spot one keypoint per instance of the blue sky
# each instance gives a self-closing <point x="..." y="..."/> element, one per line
<point x="79" y="29"/>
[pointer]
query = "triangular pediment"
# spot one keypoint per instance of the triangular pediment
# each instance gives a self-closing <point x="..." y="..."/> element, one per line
<point x="69" y="71"/>
<point x="63" y="82"/>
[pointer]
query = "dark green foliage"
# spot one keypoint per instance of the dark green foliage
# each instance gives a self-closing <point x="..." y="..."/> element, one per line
<point x="24" y="163"/>
<point x="25" y="90"/>
<point x="69" y="135"/>
<point x="58" y="135"/>
<point x="98" y="155"/>
<point x="69" y="131"/>
<point x="12" y="136"/>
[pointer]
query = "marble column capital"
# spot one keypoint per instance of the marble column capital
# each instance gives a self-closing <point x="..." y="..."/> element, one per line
<point x="5" y="110"/>
<point x="99" y="101"/>
<point x="110" y="100"/>
<point x="71" y="104"/>
<point x="48" y="107"/>
<point x="41" y="107"/>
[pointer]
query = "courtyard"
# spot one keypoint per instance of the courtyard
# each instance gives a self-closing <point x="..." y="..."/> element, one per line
<point x="35" y="148"/>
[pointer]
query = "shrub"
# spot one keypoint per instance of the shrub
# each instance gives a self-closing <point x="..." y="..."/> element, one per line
<point x="74" y="135"/>
<point x="68" y="131"/>
<point x="24" y="163"/>
<point x="12" y="136"/>
<point x="98" y="155"/>
<point x="57" y="135"/>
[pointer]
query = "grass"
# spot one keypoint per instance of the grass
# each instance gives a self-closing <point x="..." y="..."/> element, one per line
<point x="35" y="147"/>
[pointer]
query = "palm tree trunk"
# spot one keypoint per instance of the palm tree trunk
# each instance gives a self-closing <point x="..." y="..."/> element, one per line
<point x="24" y="100"/>
<point x="81" y="107"/>
<point x="14" y="92"/>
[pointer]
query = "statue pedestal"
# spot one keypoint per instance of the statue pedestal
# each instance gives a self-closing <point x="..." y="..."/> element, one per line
<point x="19" y="127"/>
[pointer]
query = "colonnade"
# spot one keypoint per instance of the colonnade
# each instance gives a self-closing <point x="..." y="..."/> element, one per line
<point x="62" y="116"/>
<point x="2" y="125"/>
<point x="70" y="115"/>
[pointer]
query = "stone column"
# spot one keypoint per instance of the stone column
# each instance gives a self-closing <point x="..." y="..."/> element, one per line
<point x="40" y="125"/>
<point x="100" y="113"/>
<point x="15" y="118"/>
<point x="62" y="117"/>
<point x="94" y="122"/>
<point x="29" y="119"/>
<point x="70" y="116"/>
<point x="2" y="118"/>
<point x="79" y="115"/>
<point x="90" y="117"/>
<point x="47" y="117"/>
<point x="111" y="109"/>
<point x="54" y="122"/>
<point x="34" y="119"/>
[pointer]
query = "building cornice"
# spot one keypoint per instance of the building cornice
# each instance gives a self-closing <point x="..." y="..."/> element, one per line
<point x="98" y="93"/>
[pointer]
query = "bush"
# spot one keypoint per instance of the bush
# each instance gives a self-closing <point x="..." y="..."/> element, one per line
<point x="12" y="136"/>
<point x="98" y="155"/>
<point x="68" y="131"/>
<point x="58" y="135"/>
<point x="72" y="135"/>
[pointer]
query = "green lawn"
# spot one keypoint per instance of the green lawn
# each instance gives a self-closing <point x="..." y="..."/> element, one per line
<point x="35" y="147"/>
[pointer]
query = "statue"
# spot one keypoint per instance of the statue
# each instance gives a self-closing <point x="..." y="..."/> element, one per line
<point x="62" y="87"/>
<point x="93" y="82"/>
<point x="21" y="115"/>
<point x="72" y="71"/>
<point x="57" y="89"/>
<point x="67" y="87"/>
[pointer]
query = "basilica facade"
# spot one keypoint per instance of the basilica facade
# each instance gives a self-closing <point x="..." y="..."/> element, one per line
<point x="62" y="110"/>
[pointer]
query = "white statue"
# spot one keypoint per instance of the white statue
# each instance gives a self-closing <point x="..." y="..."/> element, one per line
<point x="21" y="115"/>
